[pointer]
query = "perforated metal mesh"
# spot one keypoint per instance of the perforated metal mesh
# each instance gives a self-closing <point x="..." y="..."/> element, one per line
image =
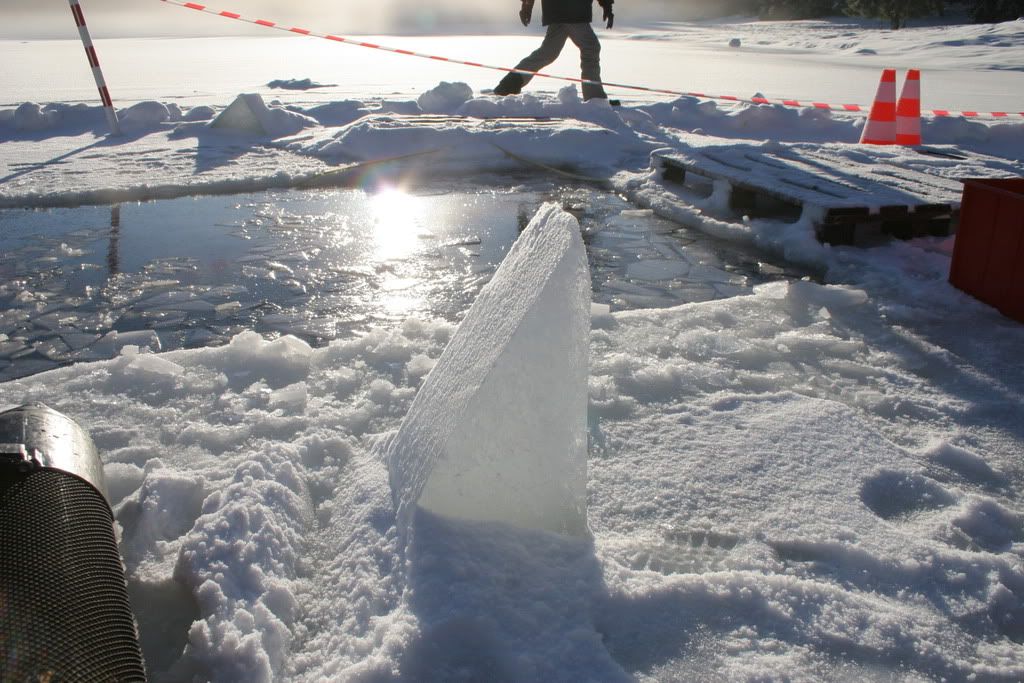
<point x="64" y="611"/>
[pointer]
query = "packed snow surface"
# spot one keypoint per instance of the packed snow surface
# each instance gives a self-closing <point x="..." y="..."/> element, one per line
<point x="810" y="479"/>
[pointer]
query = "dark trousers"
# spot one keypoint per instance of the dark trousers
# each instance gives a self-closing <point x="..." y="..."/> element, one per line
<point x="583" y="36"/>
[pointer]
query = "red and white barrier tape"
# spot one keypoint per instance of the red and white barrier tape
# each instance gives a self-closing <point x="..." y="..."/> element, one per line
<point x="94" y="64"/>
<point x="606" y="84"/>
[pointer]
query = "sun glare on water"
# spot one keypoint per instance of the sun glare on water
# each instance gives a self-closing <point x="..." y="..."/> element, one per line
<point x="396" y="223"/>
<point x="396" y="216"/>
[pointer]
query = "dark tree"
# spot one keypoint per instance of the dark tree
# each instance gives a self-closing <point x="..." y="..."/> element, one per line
<point x="896" y="11"/>
<point x="799" y="9"/>
<point x="996" y="10"/>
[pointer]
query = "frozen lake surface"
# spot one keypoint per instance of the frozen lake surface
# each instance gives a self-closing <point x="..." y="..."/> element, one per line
<point x="318" y="264"/>
<point x="814" y="481"/>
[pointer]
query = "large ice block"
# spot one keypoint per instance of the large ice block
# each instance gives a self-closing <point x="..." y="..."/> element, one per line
<point x="498" y="430"/>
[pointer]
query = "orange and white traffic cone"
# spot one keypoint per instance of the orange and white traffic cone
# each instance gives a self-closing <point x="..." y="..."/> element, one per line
<point x="881" y="126"/>
<point x="908" y="111"/>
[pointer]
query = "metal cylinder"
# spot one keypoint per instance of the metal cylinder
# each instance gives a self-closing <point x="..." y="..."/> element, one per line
<point x="64" y="610"/>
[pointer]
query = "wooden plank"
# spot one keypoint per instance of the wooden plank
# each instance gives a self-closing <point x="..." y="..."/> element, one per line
<point x="849" y="198"/>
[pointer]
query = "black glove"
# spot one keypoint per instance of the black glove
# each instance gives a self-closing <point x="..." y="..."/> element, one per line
<point x="609" y="16"/>
<point x="526" y="12"/>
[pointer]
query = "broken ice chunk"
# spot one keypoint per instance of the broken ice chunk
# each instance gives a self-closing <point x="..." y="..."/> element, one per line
<point x="498" y="430"/>
<point x="114" y="342"/>
<point x="657" y="269"/>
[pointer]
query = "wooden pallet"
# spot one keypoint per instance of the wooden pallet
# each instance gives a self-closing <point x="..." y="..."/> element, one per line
<point x="852" y="193"/>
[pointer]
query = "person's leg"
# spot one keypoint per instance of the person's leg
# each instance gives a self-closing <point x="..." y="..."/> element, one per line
<point x="550" y="48"/>
<point x="590" y="59"/>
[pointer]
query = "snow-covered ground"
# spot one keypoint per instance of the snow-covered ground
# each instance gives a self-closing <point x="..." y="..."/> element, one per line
<point x="816" y="479"/>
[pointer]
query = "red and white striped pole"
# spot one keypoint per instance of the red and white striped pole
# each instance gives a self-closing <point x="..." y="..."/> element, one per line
<point x="94" y="62"/>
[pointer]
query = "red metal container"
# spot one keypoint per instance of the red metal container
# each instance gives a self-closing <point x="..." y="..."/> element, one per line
<point x="988" y="256"/>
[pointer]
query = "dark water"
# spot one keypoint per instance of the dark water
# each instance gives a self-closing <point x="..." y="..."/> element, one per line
<point x="319" y="264"/>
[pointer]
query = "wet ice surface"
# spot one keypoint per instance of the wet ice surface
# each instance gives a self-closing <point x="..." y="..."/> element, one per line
<point x="80" y="284"/>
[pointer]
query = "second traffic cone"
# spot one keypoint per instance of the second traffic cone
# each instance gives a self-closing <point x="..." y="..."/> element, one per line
<point x="908" y="111"/>
<point x="881" y="126"/>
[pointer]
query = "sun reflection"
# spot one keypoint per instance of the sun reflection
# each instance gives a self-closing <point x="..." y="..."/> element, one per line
<point x="397" y="223"/>
<point x="395" y="231"/>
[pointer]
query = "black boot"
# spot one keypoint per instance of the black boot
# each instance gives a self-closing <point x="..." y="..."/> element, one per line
<point x="511" y="84"/>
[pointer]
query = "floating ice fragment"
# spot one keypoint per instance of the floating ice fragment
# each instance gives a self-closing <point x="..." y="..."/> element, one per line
<point x="498" y="430"/>
<point x="49" y="321"/>
<point x="630" y="288"/>
<point x="52" y="349"/>
<point x="255" y="272"/>
<point x="168" y="300"/>
<point x="228" y="308"/>
<point x="147" y="366"/>
<point x="657" y="269"/>
<point x="78" y="340"/>
<point x="9" y="348"/>
<point x="202" y="337"/>
<point x="704" y="273"/>
<point x="114" y="342"/>
<point x="769" y="269"/>
<point x="729" y="290"/>
<point x="279" y="267"/>
<point x="227" y="291"/>
<point x="67" y="250"/>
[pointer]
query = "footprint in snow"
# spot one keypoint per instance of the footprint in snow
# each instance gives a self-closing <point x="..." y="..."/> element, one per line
<point x="950" y="462"/>
<point x="985" y="525"/>
<point x="683" y="552"/>
<point x="897" y="496"/>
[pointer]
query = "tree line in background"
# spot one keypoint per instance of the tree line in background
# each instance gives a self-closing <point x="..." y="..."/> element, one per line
<point x="896" y="12"/>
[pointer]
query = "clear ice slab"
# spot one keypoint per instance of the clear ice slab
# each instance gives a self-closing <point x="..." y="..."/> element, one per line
<point x="497" y="432"/>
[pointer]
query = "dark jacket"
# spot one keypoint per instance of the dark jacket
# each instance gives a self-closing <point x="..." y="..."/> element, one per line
<point x="569" y="11"/>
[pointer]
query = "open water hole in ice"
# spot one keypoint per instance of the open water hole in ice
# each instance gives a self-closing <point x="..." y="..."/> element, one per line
<point x="78" y="284"/>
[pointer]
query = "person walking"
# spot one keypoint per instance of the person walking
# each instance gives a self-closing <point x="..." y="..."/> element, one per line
<point x="565" y="20"/>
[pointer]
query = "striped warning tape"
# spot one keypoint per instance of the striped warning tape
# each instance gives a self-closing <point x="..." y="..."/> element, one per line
<point x="606" y="84"/>
<point x="94" y="64"/>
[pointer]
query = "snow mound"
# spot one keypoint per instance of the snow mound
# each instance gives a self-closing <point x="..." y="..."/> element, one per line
<point x="32" y="117"/>
<point x="147" y="114"/>
<point x="498" y="431"/>
<point x="297" y="84"/>
<point x="445" y="98"/>
<point x="250" y="114"/>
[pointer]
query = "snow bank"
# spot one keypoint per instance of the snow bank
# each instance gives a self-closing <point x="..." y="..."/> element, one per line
<point x="32" y="117"/>
<point x="497" y="431"/>
<point x="589" y="136"/>
<point x="148" y="115"/>
<point x="445" y="98"/>
<point x="169" y="152"/>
